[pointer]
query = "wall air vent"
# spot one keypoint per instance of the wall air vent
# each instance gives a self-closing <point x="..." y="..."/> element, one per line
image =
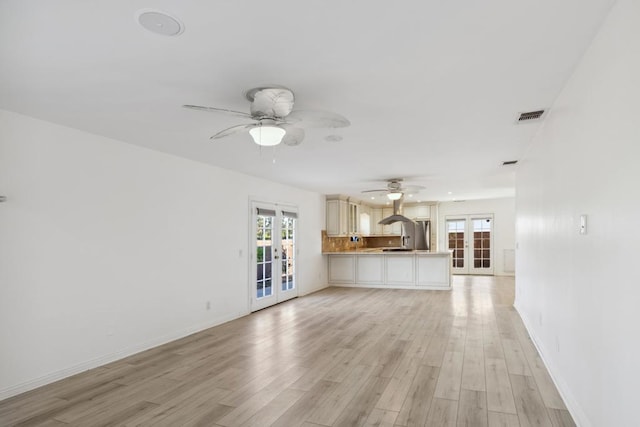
<point x="530" y="116"/>
<point x="509" y="162"/>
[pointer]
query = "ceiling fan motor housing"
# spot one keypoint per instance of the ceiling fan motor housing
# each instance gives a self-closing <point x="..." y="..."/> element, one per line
<point x="394" y="185"/>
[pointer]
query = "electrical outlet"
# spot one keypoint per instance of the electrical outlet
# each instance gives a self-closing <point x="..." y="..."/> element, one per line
<point x="540" y="319"/>
<point x="208" y="305"/>
<point x="557" y="344"/>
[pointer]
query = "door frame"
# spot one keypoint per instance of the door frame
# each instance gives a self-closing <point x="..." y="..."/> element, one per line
<point x="278" y="294"/>
<point x="469" y="243"/>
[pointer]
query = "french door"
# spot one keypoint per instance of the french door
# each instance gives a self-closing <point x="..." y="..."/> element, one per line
<point x="470" y="239"/>
<point x="273" y="254"/>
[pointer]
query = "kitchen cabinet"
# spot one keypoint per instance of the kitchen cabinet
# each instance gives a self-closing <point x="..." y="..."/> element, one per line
<point x="365" y="227"/>
<point x="376" y="229"/>
<point x="342" y="269"/>
<point x="400" y="270"/>
<point x="432" y="272"/>
<point x="370" y="270"/>
<point x="410" y="212"/>
<point x="336" y="216"/>
<point x="342" y="217"/>
<point x="376" y="216"/>
<point x="353" y="218"/>
<point x="417" y="212"/>
<point x="423" y="212"/>
<point x="414" y="270"/>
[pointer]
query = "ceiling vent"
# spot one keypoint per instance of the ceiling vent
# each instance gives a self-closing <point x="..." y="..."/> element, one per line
<point x="159" y="22"/>
<point x="509" y="162"/>
<point x="530" y="116"/>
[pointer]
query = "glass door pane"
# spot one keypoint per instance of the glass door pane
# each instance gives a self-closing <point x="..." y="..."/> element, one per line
<point x="264" y="256"/>
<point x="456" y="242"/>
<point x="482" y="259"/>
<point x="288" y="242"/>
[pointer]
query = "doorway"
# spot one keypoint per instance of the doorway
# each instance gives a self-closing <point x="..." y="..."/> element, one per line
<point x="273" y="254"/>
<point x="470" y="239"/>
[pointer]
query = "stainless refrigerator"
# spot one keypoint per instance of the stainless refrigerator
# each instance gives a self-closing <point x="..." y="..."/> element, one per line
<point x="416" y="235"/>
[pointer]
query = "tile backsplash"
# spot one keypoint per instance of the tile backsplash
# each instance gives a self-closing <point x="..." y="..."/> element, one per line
<point x="341" y="244"/>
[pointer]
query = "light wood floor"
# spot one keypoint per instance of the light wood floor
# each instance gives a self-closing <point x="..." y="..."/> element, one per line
<point x="339" y="357"/>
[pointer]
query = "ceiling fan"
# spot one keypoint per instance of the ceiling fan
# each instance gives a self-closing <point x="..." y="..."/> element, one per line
<point x="275" y="121"/>
<point x="395" y="190"/>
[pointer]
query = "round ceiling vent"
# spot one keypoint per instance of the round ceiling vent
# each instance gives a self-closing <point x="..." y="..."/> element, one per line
<point x="159" y="22"/>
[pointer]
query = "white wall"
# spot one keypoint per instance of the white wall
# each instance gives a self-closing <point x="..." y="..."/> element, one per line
<point x="578" y="294"/>
<point x="107" y="248"/>
<point x="503" y="211"/>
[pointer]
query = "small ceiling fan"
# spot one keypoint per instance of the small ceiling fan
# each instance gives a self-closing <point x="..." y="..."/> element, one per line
<point x="275" y="121"/>
<point x="395" y="190"/>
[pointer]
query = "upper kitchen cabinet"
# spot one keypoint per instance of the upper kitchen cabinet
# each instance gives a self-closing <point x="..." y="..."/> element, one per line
<point x="343" y="217"/>
<point x="353" y="218"/>
<point x="376" y="216"/>
<point x="417" y="212"/>
<point x="383" y="230"/>
<point x="337" y="211"/>
<point x="365" y="226"/>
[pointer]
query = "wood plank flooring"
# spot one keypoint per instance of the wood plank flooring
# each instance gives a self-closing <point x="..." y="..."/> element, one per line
<point x="339" y="357"/>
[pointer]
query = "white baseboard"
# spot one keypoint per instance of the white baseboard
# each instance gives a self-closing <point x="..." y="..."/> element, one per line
<point x="14" y="390"/>
<point x="444" y="287"/>
<point x="576" y="411"/>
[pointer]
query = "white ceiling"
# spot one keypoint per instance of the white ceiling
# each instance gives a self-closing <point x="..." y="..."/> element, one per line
<point x="432" y="88"/>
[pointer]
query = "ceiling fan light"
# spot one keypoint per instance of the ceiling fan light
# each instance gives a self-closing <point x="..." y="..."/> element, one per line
<point x="267" y="135"/>
<point x="395" y="195"/>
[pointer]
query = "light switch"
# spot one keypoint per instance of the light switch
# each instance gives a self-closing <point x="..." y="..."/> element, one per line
<point x="583" y="224"/>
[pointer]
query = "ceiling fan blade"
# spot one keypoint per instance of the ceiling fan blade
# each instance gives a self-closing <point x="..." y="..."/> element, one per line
<point x="233" y="130"/>
<point x="318" y="119"/>
<point x="376" y="191"/>
<point x="273" y="102"/>
<point x="294" y="135"/>
<point x="412" y="188"/>
<point x="218" y="110"/>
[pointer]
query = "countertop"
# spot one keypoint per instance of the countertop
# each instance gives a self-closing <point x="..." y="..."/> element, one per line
<point x="379" y="251"/>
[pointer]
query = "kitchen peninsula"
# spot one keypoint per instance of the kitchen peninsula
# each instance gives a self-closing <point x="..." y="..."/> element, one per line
<point x="395" y="269"/>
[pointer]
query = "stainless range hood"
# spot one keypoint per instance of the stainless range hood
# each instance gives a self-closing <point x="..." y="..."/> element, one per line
<point x="415" y="235"/>
<point x="397" y="216"/>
